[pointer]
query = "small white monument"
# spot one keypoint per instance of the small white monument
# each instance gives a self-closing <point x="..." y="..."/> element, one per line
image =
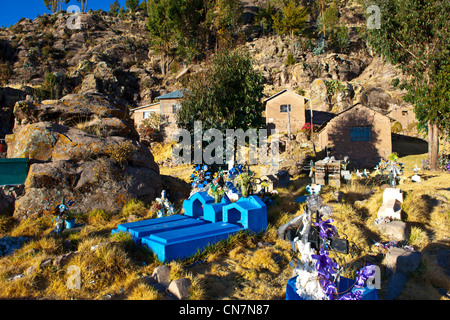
<point x="392" y="203"/>
<point x="416" y="177"/>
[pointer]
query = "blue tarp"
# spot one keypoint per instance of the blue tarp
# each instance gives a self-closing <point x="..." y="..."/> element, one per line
<point x="13" y="171"/>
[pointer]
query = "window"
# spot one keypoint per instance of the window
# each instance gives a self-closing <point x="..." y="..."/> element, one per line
<point x="175" y="108"/>
<point x="404" y="113"/>
<point x="360" y="133"/>
<point x="284" y="108"/>
<point x="147" y="114"/>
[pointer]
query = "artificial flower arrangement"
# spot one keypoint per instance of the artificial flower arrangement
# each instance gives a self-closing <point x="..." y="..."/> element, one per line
<point x="236" y="182"/>
<point x="317" y="274"/>
<point x="200" y="178"/>
<point x="164" y="206"/>
<point x="216" y="187"/>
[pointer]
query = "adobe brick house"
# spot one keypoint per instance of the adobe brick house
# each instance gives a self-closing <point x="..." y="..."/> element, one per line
<point x="361" y="133"/>
<point x="282" y="105"/>
<point x="143" y="112"/>
<point x="406" y="116"/>
<point x="167" y="106"/>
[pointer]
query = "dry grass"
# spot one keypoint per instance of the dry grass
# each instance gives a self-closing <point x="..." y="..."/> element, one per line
<point x="237" y="268"/>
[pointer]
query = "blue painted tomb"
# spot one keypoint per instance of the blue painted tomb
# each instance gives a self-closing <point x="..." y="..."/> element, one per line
<point x="249" y="213"/>
<point x="204" y="223"/>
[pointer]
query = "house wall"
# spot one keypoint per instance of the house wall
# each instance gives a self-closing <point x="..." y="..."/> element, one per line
<point x="405" y="119"/>
<point x="336" y="135"/>
<point x="138" y="115"/>
<point x="278" y="120"/>
<point x="170" y="122"/>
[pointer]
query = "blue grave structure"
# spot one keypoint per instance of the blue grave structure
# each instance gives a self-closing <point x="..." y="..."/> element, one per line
<point x="204" y="223"/>
<point x="181" y="243"/>
<point x="193" y="207"/>
<point x="249" y="213"/>
<point x="213" y="211"/>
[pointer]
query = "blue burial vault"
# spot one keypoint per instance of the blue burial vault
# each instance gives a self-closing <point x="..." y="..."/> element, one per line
<point x="204" y="223"/>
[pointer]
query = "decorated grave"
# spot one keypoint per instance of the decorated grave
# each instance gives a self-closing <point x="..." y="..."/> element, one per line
<point x="209" y="216"/>
<point x="317" y="275"/>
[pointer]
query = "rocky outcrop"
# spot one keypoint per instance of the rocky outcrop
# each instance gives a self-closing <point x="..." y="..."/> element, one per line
<point x="8" y="97"/>
<point x="82" y="147"/>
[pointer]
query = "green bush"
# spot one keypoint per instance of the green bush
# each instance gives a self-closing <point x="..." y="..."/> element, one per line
<point x="396" y="127"/>
<point x="121" y="153"/>
<point x="290" y="60"/>
<point x="134" y="207"/>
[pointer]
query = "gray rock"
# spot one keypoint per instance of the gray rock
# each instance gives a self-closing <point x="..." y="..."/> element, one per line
<point x="338" y="195"/>
<point x="46" y="262"/>
<point x="401" y="260"/>
<point x="62" y="259"/>
<point x="180" y="288"/>
<point x="30" y="270"/>
<point x="161" y="275"/>
<point x="96" y="171"/>
<point x="395" y="230"/>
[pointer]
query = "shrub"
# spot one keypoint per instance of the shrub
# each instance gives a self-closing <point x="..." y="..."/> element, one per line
<point x="121" y="153"/>
<point x="98" y="217"/>
<point x="5" y="72"/>
<point x="396" y="127"/>
<point x="135" y="207"/>
<point x="290" y="60"/>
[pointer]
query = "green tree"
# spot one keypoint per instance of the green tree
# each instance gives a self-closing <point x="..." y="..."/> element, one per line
<point x="291" y="21"/>
<point x="265" y="17"/>
<point x="161" y="23"/>
<point x="414" y="35"/>
<point x="55" y="5"/>
<point x="226" y="96"/>
<point x="177" y="27"/>
<point x="132" y="5"/>
<point x="227" y="19"/>
<point x="114" y="8"/>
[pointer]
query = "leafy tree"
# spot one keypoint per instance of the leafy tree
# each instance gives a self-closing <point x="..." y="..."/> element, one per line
<point x="226" y="96"/>
<point x="132" y="5"/>
<point x="292" y="19"/>
<point x="414" y="35"/>
<point x="55" y="5"/>
<point x="228" y="18"/>
<point x="265" y="17"/>
<point x="114" y="8"/>
<point x="161" y="24"/>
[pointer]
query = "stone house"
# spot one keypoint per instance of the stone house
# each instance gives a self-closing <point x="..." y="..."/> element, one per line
<point x="405" y="116"/>
<point x="167" y="107"/>
<point x="283" y="109"/>
<point x="359" y="132"/>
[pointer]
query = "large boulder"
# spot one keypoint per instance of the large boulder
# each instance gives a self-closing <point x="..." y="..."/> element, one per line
<point x="98" y="163"/>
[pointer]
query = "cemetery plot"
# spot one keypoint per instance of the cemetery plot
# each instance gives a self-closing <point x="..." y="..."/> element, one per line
<point x="180" y="236"/>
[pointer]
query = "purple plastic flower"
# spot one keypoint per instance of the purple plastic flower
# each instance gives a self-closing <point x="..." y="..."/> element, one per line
<point x="324" y="264"/>
<point x="327" y="230"/>
<point x="357" y="295"/>
<point x="329" y="288"/>
<point x="362" y="275"/>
